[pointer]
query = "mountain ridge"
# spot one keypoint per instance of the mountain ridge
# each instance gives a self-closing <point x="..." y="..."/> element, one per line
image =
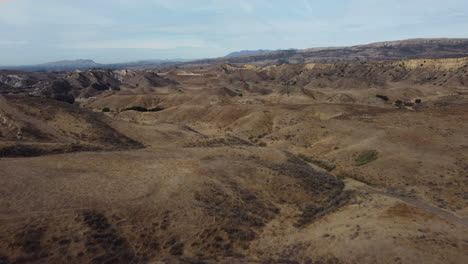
<point x="420" y="48"/>
<point x="417" y="48"/>
<point x="87" y="64"/>
<point x="247" y="52"/>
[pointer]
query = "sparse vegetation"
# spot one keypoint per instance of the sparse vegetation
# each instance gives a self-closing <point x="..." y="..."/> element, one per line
<point x="143" y="109"/>
<point x="418" y="101"/>
<point x="105" y="110"/>
<point x="383" y="97"/>
<point x="136" y="108"/>
<point x="366" y="157"/>
<point x="155" y="109"/>
<point x="349" y="175"/>
<point x="320" y="163"/>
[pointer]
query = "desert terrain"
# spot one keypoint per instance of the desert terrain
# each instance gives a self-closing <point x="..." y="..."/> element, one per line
<point x="344" y="162"/>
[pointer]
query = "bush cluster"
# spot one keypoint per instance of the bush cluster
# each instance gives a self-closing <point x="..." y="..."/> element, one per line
<point x="143" y="109"/>
<point x="383" y="97"/>
<point x="366" y="157"/>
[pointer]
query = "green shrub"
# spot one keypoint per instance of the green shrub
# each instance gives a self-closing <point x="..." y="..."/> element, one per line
<point x="143" y="109"/>
<point x="136" y="108"/>
<point x="418" y="101"/>
<point x="106" y="110"/>
<point x="156" y="109"/>
<point x="366" y="157"/>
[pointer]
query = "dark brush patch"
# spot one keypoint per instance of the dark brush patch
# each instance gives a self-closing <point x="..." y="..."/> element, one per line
<point x="24" y="150"/>
<point x="4" y="260"/>
<point x="312" y="212"/>
<point x="19" y="150"/>
<point x="245" y="210"/>
<point x="313" y="181"/>
<point x="318" y="184"/>
<point x="28" y="245"/>
<point x="239" y="215"/>
<point x="219" y="142"/>
<point x="103" y="243"/>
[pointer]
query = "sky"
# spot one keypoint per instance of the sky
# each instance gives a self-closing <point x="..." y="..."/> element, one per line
<point x="109" y="31"/>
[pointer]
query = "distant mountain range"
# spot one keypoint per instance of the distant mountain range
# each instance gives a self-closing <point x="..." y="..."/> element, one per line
<point x="380" y="51"/>
<point x="247" y="52"/>
<point x="70" y="64"/>
<point x="67" y="65"/>
<point x="250" y="52"/>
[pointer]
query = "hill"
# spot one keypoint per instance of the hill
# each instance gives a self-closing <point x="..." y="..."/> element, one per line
<point x="390" y="50"/>
<point x="34" y="126"/>
<point x="345" y="162"/>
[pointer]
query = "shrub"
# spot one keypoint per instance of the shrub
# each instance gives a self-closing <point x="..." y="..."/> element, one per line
<point x="418" y="101"/>
<point x="105" y="110"/>
<point x="383" y="97"/>
<point x="143" y="109"/>
<point x="366" y="157"/>
<point x="136" y="108"/>
<point x="156" y="109"/>
<point x="68" y="98"/>
<point x="240" y="95"/>
<point x="398" y="102"/>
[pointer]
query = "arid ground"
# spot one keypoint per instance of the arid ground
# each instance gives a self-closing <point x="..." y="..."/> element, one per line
<point x="360" y="162"/>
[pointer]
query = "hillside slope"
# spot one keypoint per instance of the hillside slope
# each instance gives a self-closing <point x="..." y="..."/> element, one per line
<point x="35" y="126"/>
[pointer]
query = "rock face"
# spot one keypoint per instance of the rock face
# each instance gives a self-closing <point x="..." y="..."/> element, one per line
<point x="67" y="86"/>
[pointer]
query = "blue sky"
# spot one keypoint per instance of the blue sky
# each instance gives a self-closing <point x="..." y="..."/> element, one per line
<point x="36" y="31"/>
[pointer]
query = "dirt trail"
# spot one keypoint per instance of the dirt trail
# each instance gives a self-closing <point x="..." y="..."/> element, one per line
<point x="419" y="204"/>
